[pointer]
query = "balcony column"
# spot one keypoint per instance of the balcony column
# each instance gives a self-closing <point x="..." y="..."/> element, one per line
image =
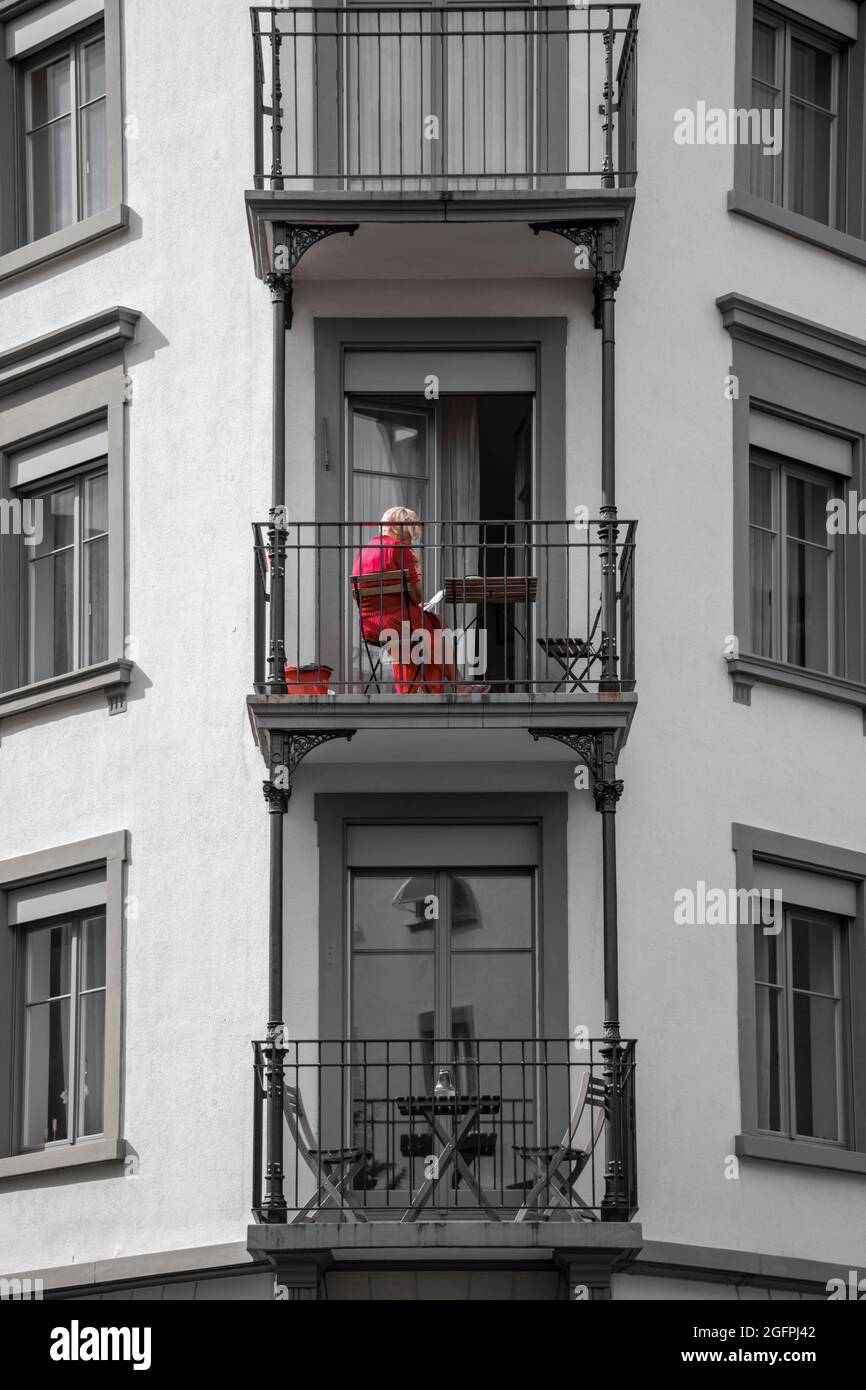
<point x="607" y="281"/>
<point x="277" y="796"/>
<point x="280" y="286"/>
<point x="607" y="790"/>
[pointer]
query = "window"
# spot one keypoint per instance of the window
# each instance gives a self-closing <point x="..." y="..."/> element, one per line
<point x="63" y="125"/>
<point x="63" y="1032"/>
<point x="801" y="1036"/>
<point x="799" y="436"/>
<point x="795" y="603"/>
<point x="61" y="950"/>
<point x="65" y="588"/>
<point x="63" y="627"/>
<point x="801" y="991"/>
<point x="795" y="71"/>
<point x="61" y="129"/>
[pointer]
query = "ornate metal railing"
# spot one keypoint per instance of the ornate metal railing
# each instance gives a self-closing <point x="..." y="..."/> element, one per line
<point x="519" y="608"/>
<point x="417" y="98"/>
<point x="516" y="1129"/>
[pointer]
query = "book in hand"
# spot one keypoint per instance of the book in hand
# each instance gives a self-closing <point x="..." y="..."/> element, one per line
<point x="434" y="601"/>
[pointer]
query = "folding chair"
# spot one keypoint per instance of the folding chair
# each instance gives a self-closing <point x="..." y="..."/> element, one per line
<point x="568" y="652"/>
<point x="558" y="1186"/>
<point x="333" y="1169"/>
<point x="368" y="591"/>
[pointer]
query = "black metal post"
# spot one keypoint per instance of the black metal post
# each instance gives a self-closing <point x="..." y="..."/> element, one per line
<point x="280" y="285"/>
<point x="277" y="181"/>
<point x="277" y="796"/>
<point x="607" y="281"/>
<point x="277" y="788"/>
<point x="608" y="179"/>
<point x="608" y="790"/>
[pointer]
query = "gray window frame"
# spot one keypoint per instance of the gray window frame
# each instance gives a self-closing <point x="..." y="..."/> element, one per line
<point x="847" y="236"/>
<point x="59" y="383"/>
<point x="548" y="812"/>
<point x="811" y="375"/>
<point x="756" y="851"/>
<point x="17" y="254"/>
<point x="103" y="852"/>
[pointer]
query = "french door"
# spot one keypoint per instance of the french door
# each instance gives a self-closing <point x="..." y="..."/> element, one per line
<point x="443" y="96"/>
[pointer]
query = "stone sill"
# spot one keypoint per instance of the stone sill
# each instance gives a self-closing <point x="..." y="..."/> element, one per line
<point x="63" y="1156"/>
<point x="804" y="228"/>
<point x="112" y="677"/>
<point x="79" y="234"/>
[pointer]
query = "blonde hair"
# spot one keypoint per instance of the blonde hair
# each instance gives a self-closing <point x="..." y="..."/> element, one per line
<point x="397" y="520"/>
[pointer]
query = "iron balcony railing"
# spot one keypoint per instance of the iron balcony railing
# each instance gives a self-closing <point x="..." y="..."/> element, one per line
<point x="516" y="1129"/>
<point x="517" y="607"/>
<point x="437" y="98"/>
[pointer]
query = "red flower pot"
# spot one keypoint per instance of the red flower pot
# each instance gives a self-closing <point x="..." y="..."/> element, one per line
<point x="308" y="680"/>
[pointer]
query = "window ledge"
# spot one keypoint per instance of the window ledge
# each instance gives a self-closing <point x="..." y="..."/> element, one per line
<point x="805" y="228"/>
<point x="72" y="238"/>
<point x="112" y="676"/>
<point x="746" y="670"/>
<point x="799" y="1151"/>
<point x="67" y="1156"/>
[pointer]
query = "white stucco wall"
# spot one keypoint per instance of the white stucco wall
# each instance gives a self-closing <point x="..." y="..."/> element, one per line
<point x="180" y="771"/>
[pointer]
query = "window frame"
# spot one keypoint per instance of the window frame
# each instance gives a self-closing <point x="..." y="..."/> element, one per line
<point x="789" y="29"/>
<point x="782" y="469"/>
<point x="77" y="478"/>
<point x="106" y="854"/>
<point x="72" y="48"/>
<point x="786" y="988"/>
<point x="17" y="253"/>
<point x="76" y="921"/>
<point x="757" y="852"/>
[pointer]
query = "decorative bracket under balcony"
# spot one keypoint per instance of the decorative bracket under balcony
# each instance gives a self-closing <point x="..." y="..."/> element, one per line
<point x="291" y="244"/>
<point x="598" y="752"/>
<point x="598" y="242"/>
<point x="288" y="751"/>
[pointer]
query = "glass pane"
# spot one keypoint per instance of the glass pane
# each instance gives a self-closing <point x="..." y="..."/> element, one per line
<point x="95" y="506"/>
<point x="809" y="143"/>
<point x="764" y="52"/>
<point x="374" y="496"/>
<point x="389" y="81"/>
<point x="52" y="584"/>
<point x="94" y="160"/>
<point x="761" y="566"/>
<point x="769" y="1059"/>
<point x="52" y="196"/>
<point x="392" y="995"/>
<point x="767" y="958"/>
<point x="46" y="1073"/>
<point x="396" y="912"/>
<point x="389" y="442"/>
<point x="815" y="1067"/>
<point x="93" y="70"/>
<point x="812" y="74"/>
<point x="807" y="510"/>
<point x="93" y="953"/>
<point x="813" y="952"/>
<point x="91" y="1063"/>
<point x="48" y="92"/>
<point x="808" y="585"/>
<point x="487" y="124"/>
<point x="58" y="521"/>
<point x="761" y="496"/>
<point x="489" y="910"/>
<point x="96" y="601"/>
<point x="48" y="958"/>
<point x="491" y="994"/>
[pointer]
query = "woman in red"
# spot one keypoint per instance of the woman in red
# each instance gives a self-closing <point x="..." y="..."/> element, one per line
<point x="391" y="595"/>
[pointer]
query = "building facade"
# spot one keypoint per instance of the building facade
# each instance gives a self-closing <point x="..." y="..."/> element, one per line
<point x="542" y="955"/>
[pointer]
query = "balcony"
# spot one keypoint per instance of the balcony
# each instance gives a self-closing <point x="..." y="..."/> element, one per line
<point x="517" y="640"/>
<point x="458" y="1129"/>
<point x="453" y="114"/>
